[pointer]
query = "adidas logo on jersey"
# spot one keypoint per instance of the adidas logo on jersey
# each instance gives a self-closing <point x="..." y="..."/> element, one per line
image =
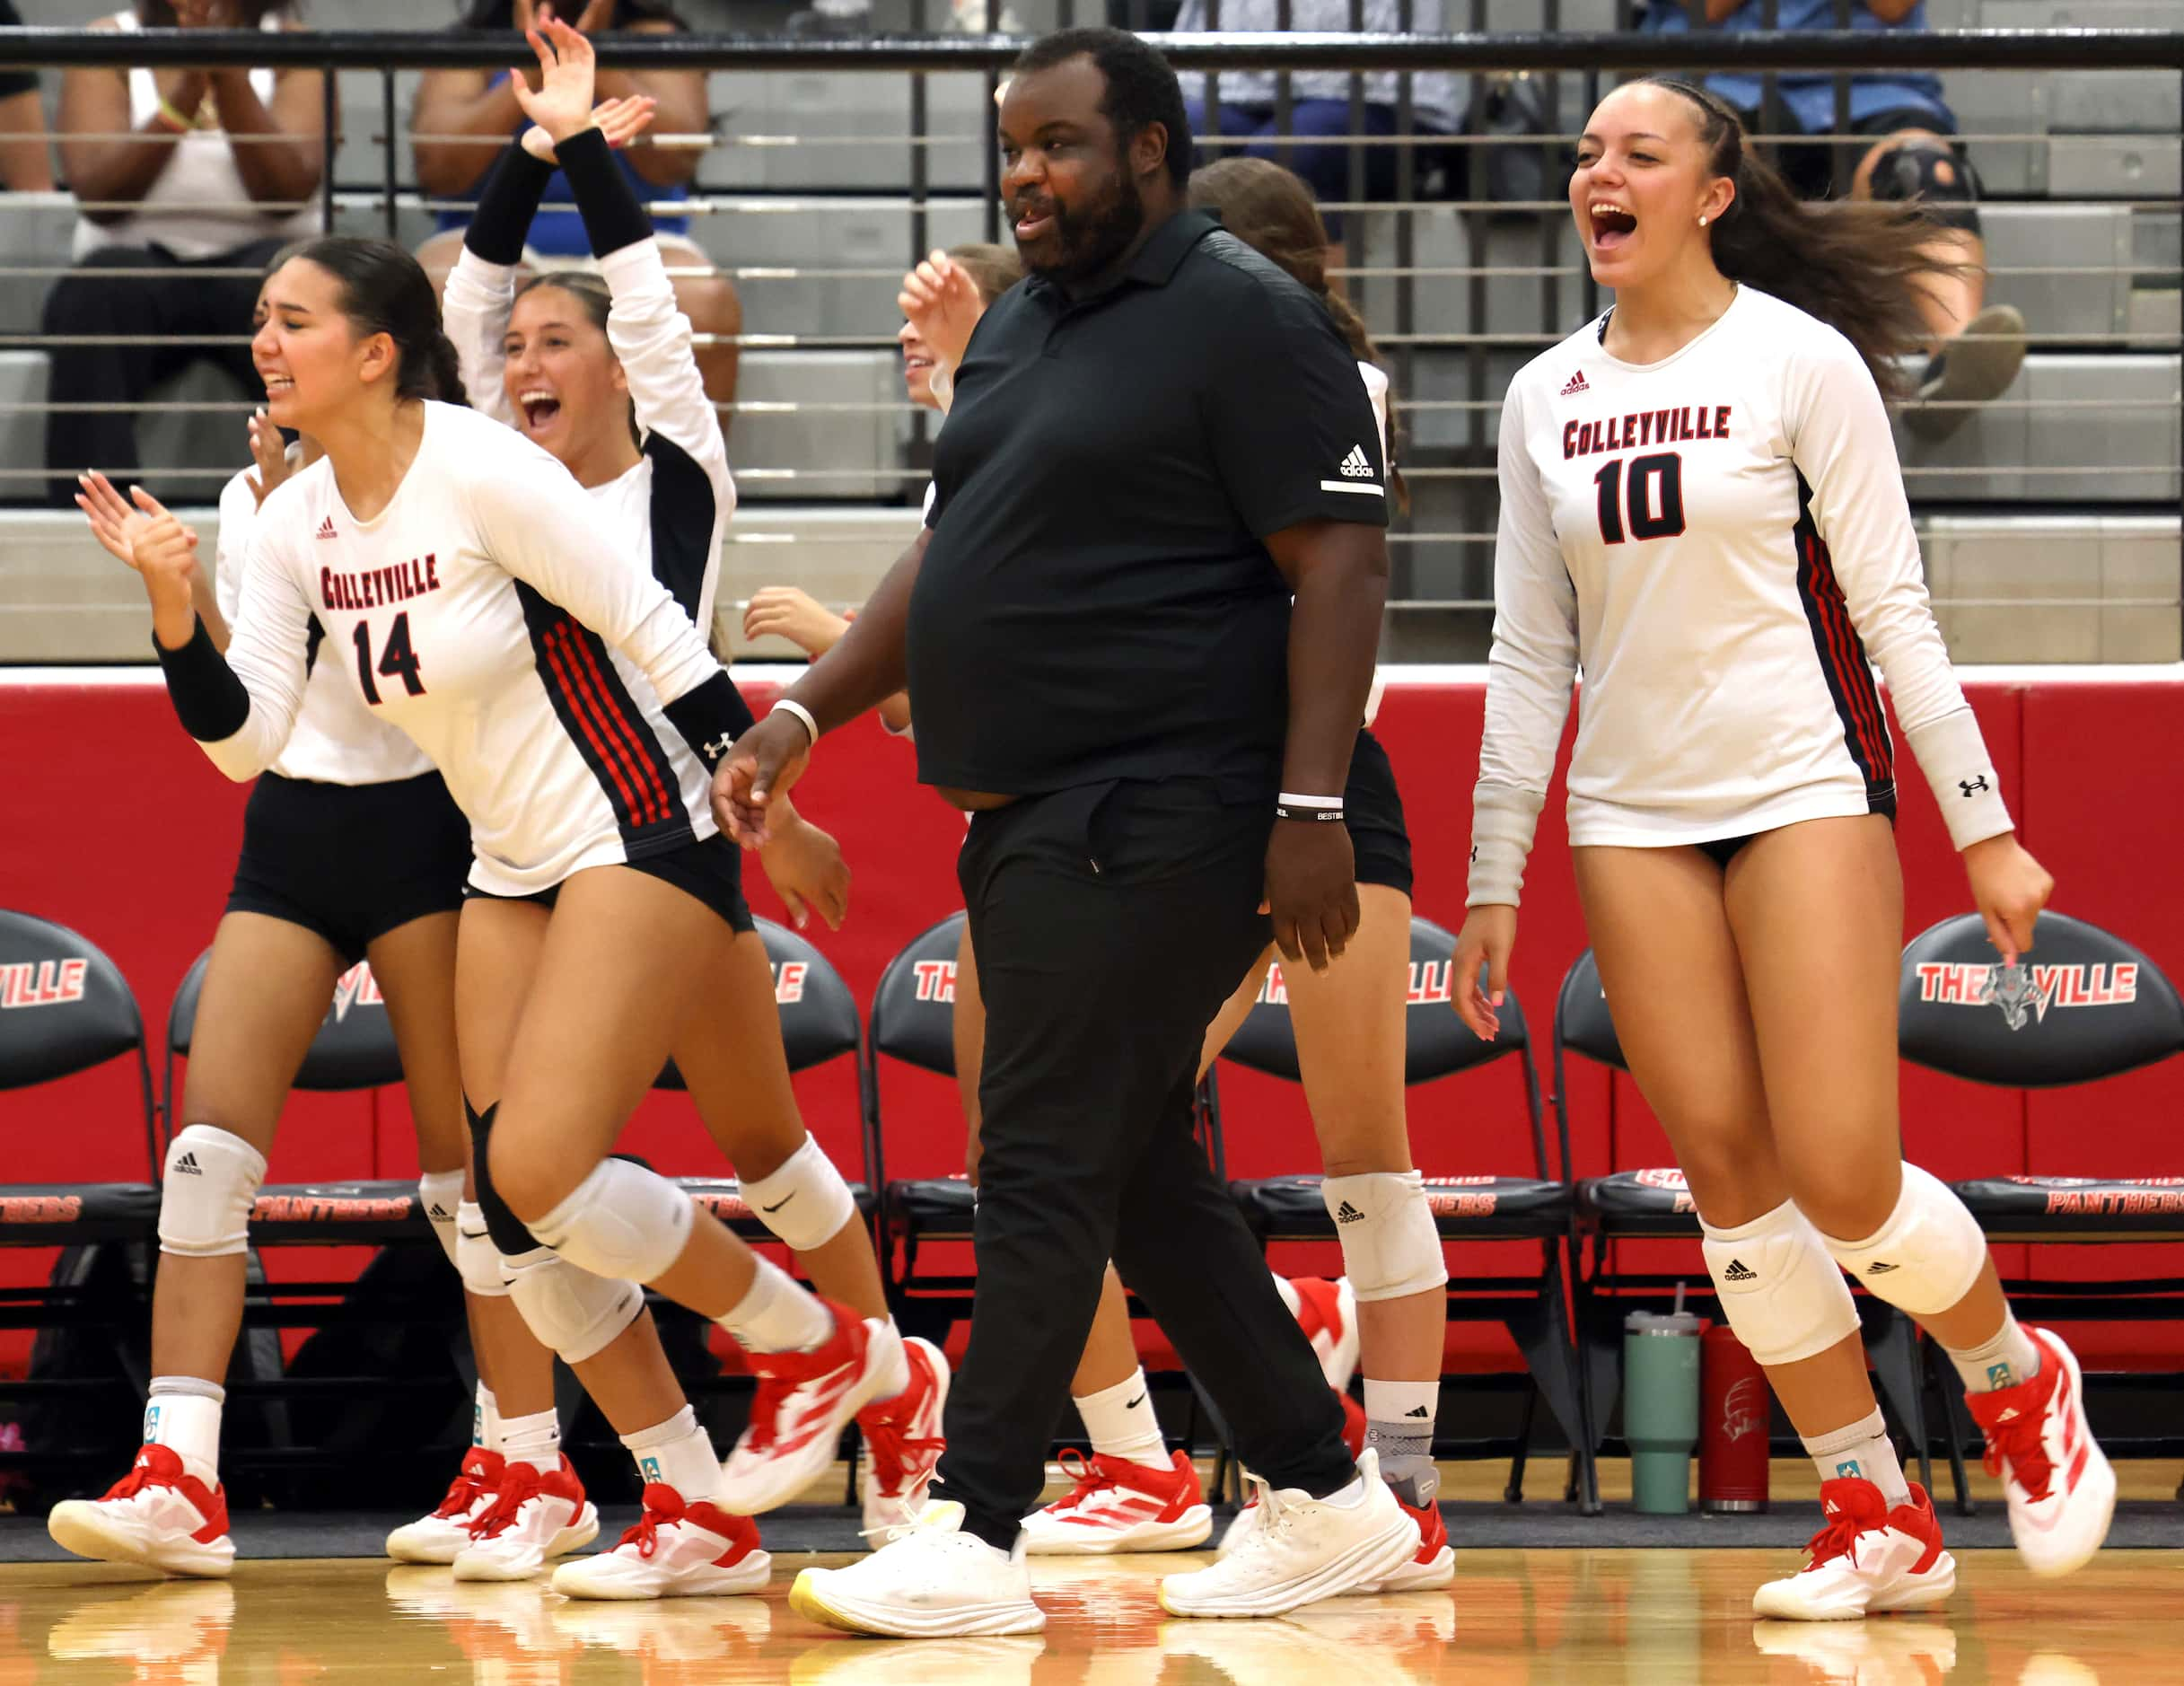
<point x="326" y="528"/>
<point x="1737" y="1272"/>
<point x="1348" y="1213"/>
<point x="187" y="1166"/>
<point x="1881" y="1267"/>
<point x="1575" y="385"/>
<point x="1357" y="465"/>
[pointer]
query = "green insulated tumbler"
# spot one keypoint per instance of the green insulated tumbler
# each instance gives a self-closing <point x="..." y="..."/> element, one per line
<point x="1661" y="1408"/>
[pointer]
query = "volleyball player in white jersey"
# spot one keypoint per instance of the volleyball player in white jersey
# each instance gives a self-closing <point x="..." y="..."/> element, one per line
<point x="1701" y="506"/>
<point x="461" y="565"/>
<point x="600" y="372"/>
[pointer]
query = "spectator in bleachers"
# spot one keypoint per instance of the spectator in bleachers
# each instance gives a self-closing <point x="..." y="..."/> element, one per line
<point x="1976" y="347"/>
<point x="215" y="171"/>
<point x="1319" y="99"/>
<point x="460" y="103"/>
<point x="26" y="166"/>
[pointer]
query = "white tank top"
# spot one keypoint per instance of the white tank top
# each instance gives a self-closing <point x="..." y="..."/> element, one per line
<point x="199" y="172"/>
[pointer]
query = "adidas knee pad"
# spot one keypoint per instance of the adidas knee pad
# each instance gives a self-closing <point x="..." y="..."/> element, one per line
<point x="1935" y="174"/>
<point x="439" y="1194"/>
<point x="505" y="1228"/>
<point x="210" y="1184"/>
<point x="622" y="1221"/>
<point x="1928" y="1254"/>
<point x="1390" y="1246"/>
<point x="476" y="1256"/>
<point x="805" y="1202"/>
<point x="572" y="1312"/>
<point x="1780" y="1290"/>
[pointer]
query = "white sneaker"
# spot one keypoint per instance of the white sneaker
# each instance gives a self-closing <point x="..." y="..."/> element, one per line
<point x="902" y="1440"/>
<point x="931" y="1580"/>
<point x="157" y="1514"/>
<point x="2061" y="1490"/>
<point x="440" y="1537"/>
<point x="678" y="1549"/>
<point x="992" y="1661"/>
<point x="1121" y="1506"/>
<point x="1863" y="1653"/>
<point x="804" y="1402"/>
<point x="534" y="1517"/>
<point x="1303" y="1548"/>
<point x="170" y="1630"/>
<point x="1868" y="1559"/>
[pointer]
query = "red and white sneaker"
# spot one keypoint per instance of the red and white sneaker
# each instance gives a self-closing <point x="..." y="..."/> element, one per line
<point x="1327" y="1311"/>
<point x="533" y="1516"/>
<point x="1866" y="1560"/>
<point x="2061" y="1490"/>
<point x="1433" y="1567"/>
<point x="1120" y="1506"/>
<point x="156" y="1515"/>
<point x="1354" y="1428"/>
<point x="902" y="1440"/>
<point x="679" y="1548"/>
<point x="804" y="1402"/>
<point x="440" y="1537"/>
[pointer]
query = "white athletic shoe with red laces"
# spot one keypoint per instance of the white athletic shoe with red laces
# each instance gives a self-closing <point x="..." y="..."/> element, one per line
<point x="440" y="1537"/>
<point x="156" y="1515"/>
<point x="1434" y="1564"/>
<point x="2061" y="1490"/>
<point x="678" y="1548"/>
<point x="533" y="1516"/>
<point x="1867" y="1558"/>
<point x="1327" y="1311"/>
<point x="1121" y="1506"/>
<point x="902" y="1440"/>
<point x="804" y="1402"/>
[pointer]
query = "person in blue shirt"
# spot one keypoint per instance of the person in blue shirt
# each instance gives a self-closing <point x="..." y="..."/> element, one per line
<point x="452" y="104"/>
<point x="1909" y="150"/>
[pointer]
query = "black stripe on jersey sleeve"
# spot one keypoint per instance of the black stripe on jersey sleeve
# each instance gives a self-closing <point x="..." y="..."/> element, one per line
<point x="612" y="217"/>
<point x="208" y="699"/>
<point x="502" y="222"/>
<point x="684" y="511"/>
<point x="1842" y="662"/>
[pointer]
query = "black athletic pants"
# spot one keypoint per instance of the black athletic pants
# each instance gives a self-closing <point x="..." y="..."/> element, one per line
<point x="1111" y="922"/>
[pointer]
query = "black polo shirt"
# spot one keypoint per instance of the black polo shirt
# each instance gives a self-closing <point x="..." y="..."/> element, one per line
<point x="1097" y="600"/>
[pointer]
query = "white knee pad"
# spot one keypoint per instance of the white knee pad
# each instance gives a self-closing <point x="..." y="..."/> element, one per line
<point x="1390" y="1246"/>
<point x="476" y="1256"/>
<point x="440" y="1193"/>
<point x="621" y="1220"/>
<point x="1928" y="1254"/>
<point x="805" y="1202"/>
<point x="1780" y="1290"/>
<point x="211" y="1182"/>
<point x="572" y="1312"/>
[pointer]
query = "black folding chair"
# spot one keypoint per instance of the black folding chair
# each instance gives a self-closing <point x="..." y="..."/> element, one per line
<point x="1538" y="1208"/>
<point x="2083" y="1006"/>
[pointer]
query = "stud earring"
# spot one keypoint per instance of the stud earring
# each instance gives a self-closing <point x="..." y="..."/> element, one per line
<point x="1702" y="222"/>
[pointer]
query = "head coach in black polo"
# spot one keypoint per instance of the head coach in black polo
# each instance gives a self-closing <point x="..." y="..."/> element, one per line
<point x="1158" y="440"/>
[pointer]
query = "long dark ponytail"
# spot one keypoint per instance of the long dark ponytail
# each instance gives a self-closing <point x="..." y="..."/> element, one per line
<point x="1858" y="265"/>
<point x="384" y="290"/>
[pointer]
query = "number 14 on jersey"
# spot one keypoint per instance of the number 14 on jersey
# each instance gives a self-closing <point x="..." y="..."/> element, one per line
<point x="396" y="659"/>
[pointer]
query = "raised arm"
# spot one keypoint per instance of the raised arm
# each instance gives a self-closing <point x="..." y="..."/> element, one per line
<point x="278" y="144"/>
<point x="95" y="105"/>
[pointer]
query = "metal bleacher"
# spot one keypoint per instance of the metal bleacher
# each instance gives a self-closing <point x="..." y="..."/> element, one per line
<point x="2050" y="517"/>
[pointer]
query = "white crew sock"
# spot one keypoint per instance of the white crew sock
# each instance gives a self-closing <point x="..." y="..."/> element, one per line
<point x="777" y="1315"/>
<point x="535" y="1440"/>
<point x="485" y="1420"/>
<point x="677" y="1453"/>
<point x="2007" y="1360"/>
<point x="1862" y="1450"/>
<point x="1122" y="1424"/>
<point x="182" y="1413"/>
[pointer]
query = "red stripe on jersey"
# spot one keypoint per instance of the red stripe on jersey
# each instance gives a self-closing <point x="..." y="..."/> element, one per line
<point x="1852" y="670"/>
<point x="563" y="678"/>
<point x="648" y="807"/>
<point x="648" y="771"/>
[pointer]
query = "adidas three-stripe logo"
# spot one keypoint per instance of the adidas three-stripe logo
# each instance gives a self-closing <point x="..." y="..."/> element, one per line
<point x="1357" y="465"/>
<point x="1737" y="1272"/>
<point x="1348" y="1213"/>
<point x="187" y="1166"/>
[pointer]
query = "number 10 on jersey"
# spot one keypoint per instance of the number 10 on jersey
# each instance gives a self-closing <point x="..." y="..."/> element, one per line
<point x="1652" y="498"/>
<point x="396" y="660"/>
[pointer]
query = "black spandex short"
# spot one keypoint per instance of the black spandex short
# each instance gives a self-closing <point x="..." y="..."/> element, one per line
<point x="1372" y="809"/>
<point x="351" y="862"/>
<point x="711" y="870"/>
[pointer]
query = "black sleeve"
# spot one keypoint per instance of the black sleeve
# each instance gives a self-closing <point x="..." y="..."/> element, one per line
<point x="13" y="80"/>
<point x="208" y="699"/>
<point x="612" y="217"/>
<point x="502" y="222"/>
<point x="711" y="717"/>
<point x="1289" y="421"/>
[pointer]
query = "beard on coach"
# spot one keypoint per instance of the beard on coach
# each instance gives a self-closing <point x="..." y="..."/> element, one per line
<point x="1081" y="209"/>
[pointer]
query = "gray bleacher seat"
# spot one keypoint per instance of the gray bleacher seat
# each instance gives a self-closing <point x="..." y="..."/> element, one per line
<point x="23" y="432"/>
<point x="2093" y="238"/>
<point x="837" y="555"/>
<point x="872" y="107"/>
<point x="2115" y="563"/>
<point x="2112" y="413"/>
<point x="35" y="233"/>
<point x="857" y="450"/>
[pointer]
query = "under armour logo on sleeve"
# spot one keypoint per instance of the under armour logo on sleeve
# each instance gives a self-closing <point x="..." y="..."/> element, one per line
<point x="1972" y="787"/>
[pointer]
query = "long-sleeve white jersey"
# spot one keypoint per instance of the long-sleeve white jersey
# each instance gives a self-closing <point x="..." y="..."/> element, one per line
<point x="1721" y="541"/>
<point x="477" y="613"/>
<point x="670" y="509"/>
<point x="336" y="739"/>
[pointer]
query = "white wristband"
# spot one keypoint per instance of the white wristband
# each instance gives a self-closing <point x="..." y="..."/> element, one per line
<point x="1503" y="819"/>
<point x="1952" y="754"/>
<point x="1290" y="799"/>
<point x="784" y="707"/>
